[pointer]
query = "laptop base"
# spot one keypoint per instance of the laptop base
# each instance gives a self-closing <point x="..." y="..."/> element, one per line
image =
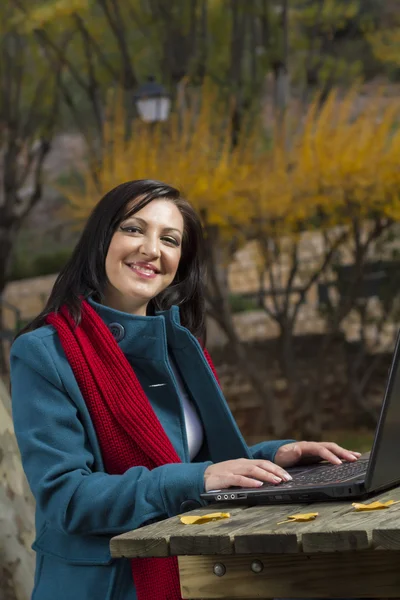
<point x="273" y="495"/>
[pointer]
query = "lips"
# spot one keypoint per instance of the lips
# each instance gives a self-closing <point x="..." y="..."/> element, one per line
<point x="144" y="269"/>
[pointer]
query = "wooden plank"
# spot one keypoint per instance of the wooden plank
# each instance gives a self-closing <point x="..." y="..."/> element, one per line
<point x="343" y="529"/>
<point x="257" y="530"/>
<point x="337" y="528"/>
<point x="154" y="540"/>
<point x="270" y="537"/>
<point x="386" y="539"/>
<point x="151" y="540"/>
<point x="363" y="574"/>
<point x="386" y="531"/>
<point x="208" y="538"/>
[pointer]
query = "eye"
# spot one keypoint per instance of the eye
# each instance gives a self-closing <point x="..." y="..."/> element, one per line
<point x="130" y="229"/>
<point x="171" y="240"/>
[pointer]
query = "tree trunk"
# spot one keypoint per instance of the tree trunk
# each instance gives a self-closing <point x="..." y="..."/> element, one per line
<point x="7" y="238"/>
<point x="272" y="418"/>
<point x="217" y="295"/>
<point x="17" y="561"/>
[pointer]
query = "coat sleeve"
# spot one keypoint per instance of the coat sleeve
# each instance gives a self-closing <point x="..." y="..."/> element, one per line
<point x="267" y="450"/>
<point x="59" y="463"/>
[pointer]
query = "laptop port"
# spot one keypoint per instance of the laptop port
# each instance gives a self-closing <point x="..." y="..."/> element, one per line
<point x="219" y="497"/>
<point x="241" y="496"/>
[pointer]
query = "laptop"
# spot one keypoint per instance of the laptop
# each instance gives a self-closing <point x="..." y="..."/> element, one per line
<point x="372" y="473"/>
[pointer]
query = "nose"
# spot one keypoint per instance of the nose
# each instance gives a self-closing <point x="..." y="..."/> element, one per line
<point x="150" y="247"/>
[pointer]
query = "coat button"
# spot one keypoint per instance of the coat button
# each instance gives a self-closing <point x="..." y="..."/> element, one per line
<point x="117" y="330"/>
<point x="189" y="505"/>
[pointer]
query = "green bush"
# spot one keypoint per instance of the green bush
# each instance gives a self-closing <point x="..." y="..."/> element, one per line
<point x="21" y="269"/>
<point x="240" y="304"/>
<point x="46" y="264"/>
<point x="41" y="264"/>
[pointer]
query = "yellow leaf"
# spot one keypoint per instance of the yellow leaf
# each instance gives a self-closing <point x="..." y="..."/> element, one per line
<point x="300" y="518"/>
<point x="374" y="505"/>
<point x="199" y="520"/>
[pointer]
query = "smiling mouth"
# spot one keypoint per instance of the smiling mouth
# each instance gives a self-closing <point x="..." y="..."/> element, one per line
<point x="143" y="271"/>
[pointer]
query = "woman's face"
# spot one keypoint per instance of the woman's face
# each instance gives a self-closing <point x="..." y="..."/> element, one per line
<point x="143" y="256"/>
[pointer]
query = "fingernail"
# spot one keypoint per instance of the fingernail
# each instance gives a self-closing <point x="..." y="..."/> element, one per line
<point x="287" y="477"/>
<point x="277" y="479"/>
<point x="260" y="483"/>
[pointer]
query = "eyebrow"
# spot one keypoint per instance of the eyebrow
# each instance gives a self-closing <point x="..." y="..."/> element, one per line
<point x="143" y="222"/>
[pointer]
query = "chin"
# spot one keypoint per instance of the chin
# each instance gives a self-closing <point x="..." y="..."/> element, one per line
<point x="138" y="296"/>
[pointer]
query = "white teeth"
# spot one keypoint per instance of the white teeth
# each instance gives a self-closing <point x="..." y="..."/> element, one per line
<point x="143" y="270"/>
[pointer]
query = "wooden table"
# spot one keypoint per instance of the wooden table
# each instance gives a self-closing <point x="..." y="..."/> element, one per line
<point x="342" y="554"/>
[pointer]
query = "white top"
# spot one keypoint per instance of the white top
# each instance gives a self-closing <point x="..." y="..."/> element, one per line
<point x="194" y="427"/>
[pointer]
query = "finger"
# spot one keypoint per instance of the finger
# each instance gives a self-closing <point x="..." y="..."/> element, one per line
<point x="243" y="481"/>
<point x="321" y="450"/>
<point x="270" y="467"/>
<point x="344" y="454"/>
<point x="263" y="475"/>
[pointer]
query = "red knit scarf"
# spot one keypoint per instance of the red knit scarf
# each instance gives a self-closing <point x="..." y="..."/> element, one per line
<point x="127" y="427"/>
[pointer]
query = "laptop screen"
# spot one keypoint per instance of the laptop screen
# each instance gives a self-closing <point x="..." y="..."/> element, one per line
<point x="384" y="465"/>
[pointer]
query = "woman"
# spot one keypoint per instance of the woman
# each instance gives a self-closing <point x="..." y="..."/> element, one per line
<point x="118" y="416"/>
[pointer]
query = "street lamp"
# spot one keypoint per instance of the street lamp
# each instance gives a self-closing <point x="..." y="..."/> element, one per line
<point x="152" y="101"/>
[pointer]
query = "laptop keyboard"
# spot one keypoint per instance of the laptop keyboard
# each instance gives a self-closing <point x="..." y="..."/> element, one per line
<point x="323" y="475"/>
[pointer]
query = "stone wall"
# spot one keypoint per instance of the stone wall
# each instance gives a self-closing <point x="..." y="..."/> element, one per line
<point x="29" y="296"/>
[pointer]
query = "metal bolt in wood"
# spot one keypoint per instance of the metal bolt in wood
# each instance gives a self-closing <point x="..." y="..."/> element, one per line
<point x="219" y="569"/>
<point x="257" y="566"/>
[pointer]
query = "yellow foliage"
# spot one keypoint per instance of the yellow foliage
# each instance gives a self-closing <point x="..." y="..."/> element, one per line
<point x="343" y="163"/>
<point x="193" y="153"/>
<point x="373" y="505"/>
<point x="200" y="520"/>
<point x="300" y="518"/>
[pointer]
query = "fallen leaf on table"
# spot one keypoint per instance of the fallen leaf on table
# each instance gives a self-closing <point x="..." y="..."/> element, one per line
<point x="300" y="518"/>
<point x="374" y="505"/>
<point x="199" y="520"/>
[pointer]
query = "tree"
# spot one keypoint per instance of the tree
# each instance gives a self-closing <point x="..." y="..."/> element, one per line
<point x="383" y="35"/>
<point x="28" y="111"/>
<point x="339" y="179"/>
<point x="329" y="45"/>
<point x="119" y="43"/>
<point x="17" y="562"/>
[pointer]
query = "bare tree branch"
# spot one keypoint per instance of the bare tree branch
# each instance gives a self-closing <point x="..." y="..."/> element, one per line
<point x="116" y="23"/>
<point x="93" y="85"/>
<point x="104" y="61"/>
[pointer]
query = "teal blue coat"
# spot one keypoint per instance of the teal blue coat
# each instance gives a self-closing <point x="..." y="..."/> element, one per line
<point x="79" y="507"/>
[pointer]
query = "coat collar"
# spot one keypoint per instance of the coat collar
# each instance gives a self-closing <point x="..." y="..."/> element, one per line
<point x="137" y="335"/>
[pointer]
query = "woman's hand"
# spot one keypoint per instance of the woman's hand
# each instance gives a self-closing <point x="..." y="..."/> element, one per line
<point x="243" y="472"/>
<point x="306" y="452"/>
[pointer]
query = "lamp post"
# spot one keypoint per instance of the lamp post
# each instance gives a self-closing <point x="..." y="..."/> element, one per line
<point x="152" y="101"/>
